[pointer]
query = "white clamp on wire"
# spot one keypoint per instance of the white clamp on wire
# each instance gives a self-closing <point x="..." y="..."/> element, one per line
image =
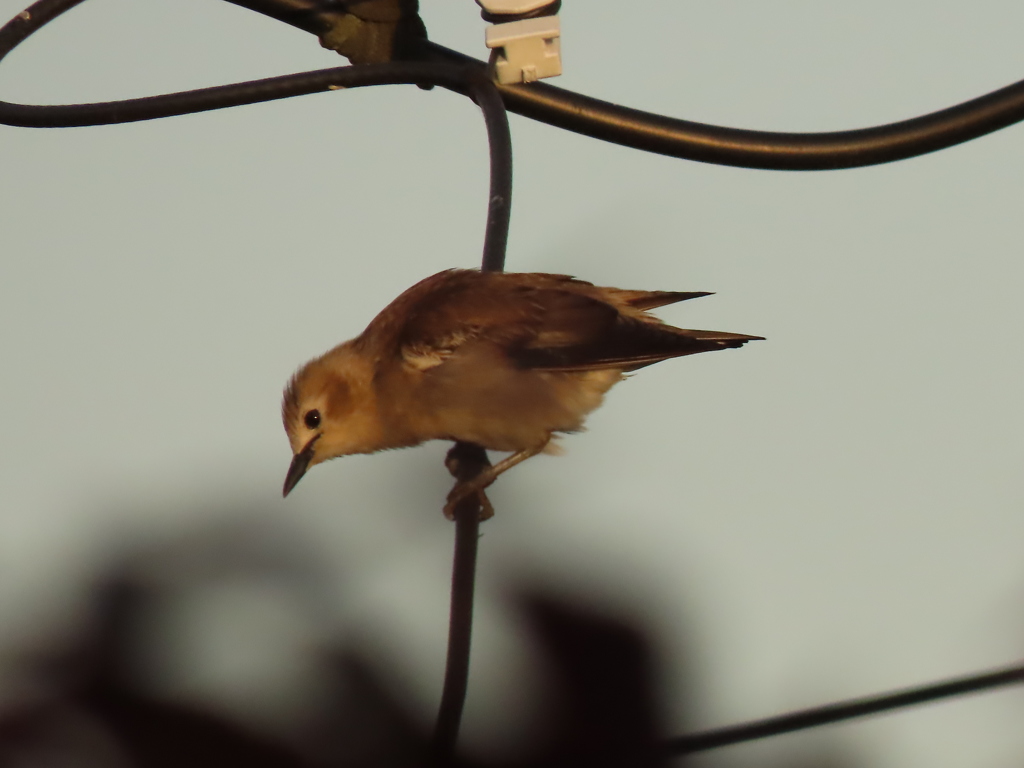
<point x="524" y="38"/>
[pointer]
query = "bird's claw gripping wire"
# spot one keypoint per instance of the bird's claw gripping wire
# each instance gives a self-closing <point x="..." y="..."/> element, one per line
<point x="469" y="464"/>
<point x="463" y="491"/>
<point x="473" y="475"/>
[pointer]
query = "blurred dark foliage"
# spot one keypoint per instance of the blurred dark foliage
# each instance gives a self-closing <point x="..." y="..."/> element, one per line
<point x="98" y="711"/>
<point x="95" y="703"/>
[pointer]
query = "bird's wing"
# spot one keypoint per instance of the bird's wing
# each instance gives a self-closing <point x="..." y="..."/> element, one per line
<point x="541" y="322"/>
<point x="512" y="312"/>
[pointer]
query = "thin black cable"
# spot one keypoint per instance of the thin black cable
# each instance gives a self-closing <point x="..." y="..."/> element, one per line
<point x="843" y="710"/>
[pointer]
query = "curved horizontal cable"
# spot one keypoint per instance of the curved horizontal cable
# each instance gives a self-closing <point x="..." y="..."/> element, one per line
<point x="555" y="106"/>
<point x="844" y="710"/>
<point x="712" y="143"/>
<point x="762" y="149"/>
<point x="453" y="76"/>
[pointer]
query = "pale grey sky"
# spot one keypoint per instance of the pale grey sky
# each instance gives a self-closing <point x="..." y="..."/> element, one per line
<point x="831" y="512"/>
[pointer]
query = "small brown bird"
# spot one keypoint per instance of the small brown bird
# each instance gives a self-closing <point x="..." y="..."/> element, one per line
<point x="501" y="360"/>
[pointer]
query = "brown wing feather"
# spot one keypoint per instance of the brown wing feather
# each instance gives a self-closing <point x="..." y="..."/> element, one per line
<point x="540" y="321"/>
<point x="457" y="305"/>
<point x="630" y="344"/>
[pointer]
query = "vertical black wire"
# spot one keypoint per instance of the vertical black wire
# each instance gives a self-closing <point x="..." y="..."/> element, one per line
<point x="467" y="459"/>
<point x="499" y="204"/>
<point x="460" y="621"/>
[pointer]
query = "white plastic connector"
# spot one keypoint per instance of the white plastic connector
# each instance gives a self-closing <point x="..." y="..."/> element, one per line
<point x="511" y="6"/>
<point x="526" y="50"/>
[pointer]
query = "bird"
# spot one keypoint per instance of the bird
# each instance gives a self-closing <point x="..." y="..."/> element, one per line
<point x="502" y="360"/>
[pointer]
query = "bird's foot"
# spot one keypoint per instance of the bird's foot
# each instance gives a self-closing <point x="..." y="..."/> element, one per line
<point x="473" y="472"/>
<point x="469" y="464"/>
<point x="463" y="491"/>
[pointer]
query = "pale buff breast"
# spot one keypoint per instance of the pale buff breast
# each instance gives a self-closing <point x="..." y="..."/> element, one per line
<point x="477" y="396"/>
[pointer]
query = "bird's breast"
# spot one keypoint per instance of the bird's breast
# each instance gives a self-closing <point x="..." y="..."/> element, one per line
<point x="477" y="396"/>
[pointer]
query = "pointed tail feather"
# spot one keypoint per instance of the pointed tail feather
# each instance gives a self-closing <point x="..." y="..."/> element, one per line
<point x="731" y="339"/>
<point x="653" y="299"/>
<point x="630" y="345"/>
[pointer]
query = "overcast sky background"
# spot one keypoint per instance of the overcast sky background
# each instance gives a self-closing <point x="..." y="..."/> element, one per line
<point x="829" y="513"/>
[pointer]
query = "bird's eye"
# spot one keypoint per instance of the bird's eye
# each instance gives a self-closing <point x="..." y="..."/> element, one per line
<point x="312" y="418"/>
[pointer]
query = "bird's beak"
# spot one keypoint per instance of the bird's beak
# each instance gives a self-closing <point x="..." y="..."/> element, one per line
<point x="300" y="463"/>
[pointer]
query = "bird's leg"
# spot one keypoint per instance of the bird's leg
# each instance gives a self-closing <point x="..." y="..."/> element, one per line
<point x="479" y="481"/>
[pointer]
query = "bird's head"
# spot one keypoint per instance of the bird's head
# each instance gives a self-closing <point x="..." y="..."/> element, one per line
<point x="327" y="412"/>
